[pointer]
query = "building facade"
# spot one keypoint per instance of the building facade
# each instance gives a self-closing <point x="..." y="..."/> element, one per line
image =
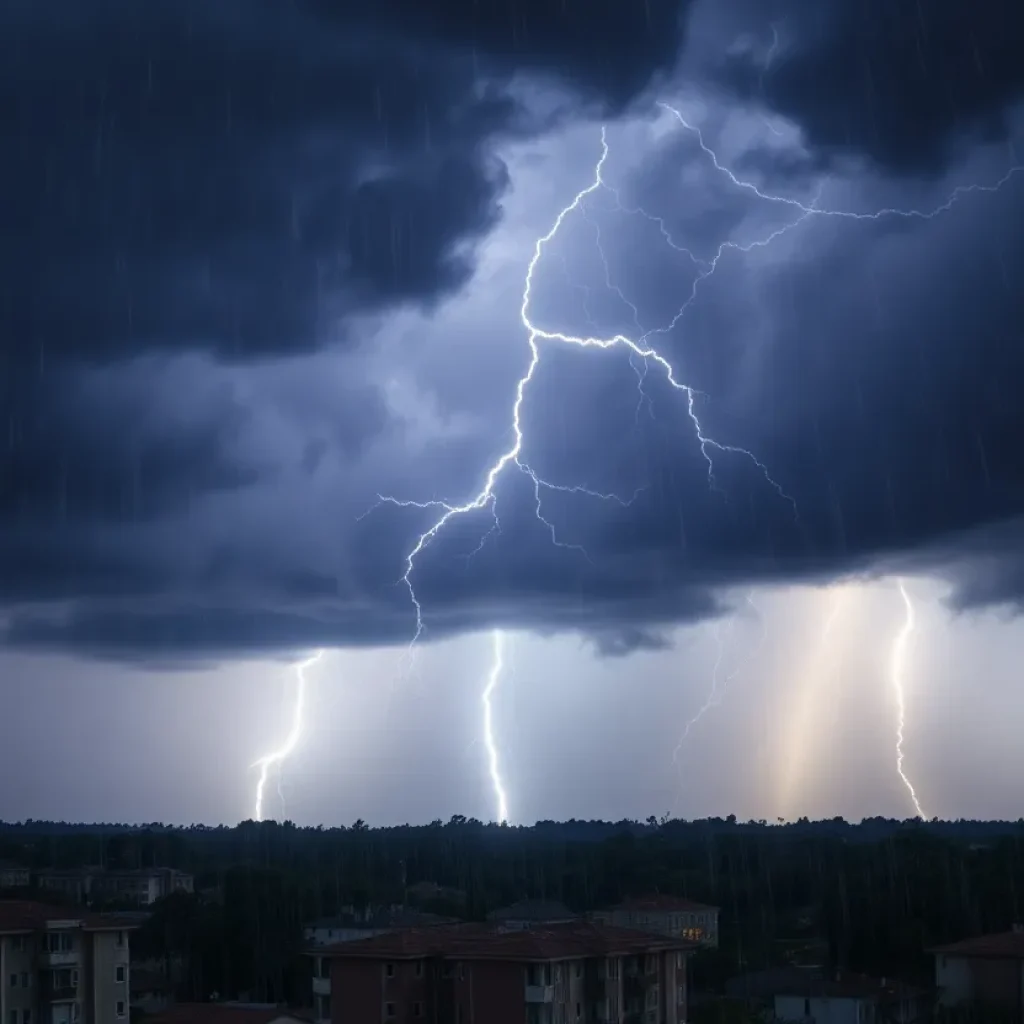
<point x="14" y="876"/>
<point x="670" y="916"/>
<point x="486" y="974"/>
<point x="987" y="970"/>
<point x="142" y="886"/>
<point x="60" y="967"/>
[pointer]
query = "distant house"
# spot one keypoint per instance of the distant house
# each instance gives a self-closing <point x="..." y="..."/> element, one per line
<point x="530" y="913"/>
<point x="988" y="969"/>
<point x="807" y="998"/>
<point x="143" y="886"/>
<point x="13" y="876"/>
<point x="670" y="916"/>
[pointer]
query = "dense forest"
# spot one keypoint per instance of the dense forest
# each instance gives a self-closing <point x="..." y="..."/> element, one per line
<point x="870" y="897"/>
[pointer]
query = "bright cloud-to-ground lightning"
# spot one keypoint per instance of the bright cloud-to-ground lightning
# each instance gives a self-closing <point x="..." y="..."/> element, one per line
<point x="279" y="756"/>
<point x="486" y="498"/>
<point x="897" y="672"/>
<point x="490" y="743"/>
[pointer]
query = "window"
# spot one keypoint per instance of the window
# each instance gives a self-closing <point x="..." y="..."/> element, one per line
<point x="417" y="1009"/>
<point x="389" y="1010"/>
<point x="120" y="1008"/>
<point x="419" y="970"/>
<point x="120" y="939"/>
<point x="579" y="971"/>
<point x="682" y="994"/>
<point x="807" y="1007"/>
<point x="613" y="968"/>
<point x="14" y="981"/>
<point x="119" y="973"/>
<point x="389" y="970"/>
<point x="26" y="1017"/>
<point x="26" y="979"/>
<point x="578" y="1011"/>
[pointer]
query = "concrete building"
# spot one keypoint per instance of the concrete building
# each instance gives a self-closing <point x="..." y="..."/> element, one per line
<point x="987" y="970"/>
<point x="531" y="913"/>
<point x="353" y="927"/>
<point x="62" y="966"/>
<point x="670" y="916"/>
<point x="142" y="886"/>
<point x="487" y="974"/>
<point x="848" y="999"/>
<point x="225" y="1013"/>
<point x="13" y="876"/>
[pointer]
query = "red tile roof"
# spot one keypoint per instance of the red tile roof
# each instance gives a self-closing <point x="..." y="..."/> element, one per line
<point x="222" y="1013"/>
<point x="30" y="916"/>
<point x="1003" y="945"/>
<point x="663" y="904"/>
<point x="568" y="941"/>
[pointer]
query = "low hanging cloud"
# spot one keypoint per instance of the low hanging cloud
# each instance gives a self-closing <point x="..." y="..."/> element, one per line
<point x="248" y="227"/>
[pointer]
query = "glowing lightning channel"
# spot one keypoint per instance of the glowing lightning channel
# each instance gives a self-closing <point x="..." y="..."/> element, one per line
<point x="493" y="767"/>
<point x="485" y="498"/>
<point x="279" y="756"/>
<point x="897" y="671"/>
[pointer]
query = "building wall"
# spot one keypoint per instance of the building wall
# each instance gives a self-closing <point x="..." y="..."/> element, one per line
<point x="954" y="980"/>
<point x="108" y="952"/>
<point x="822" y="1011"/>
<point x="996" y="981"/>
<point x="494" y="993"/>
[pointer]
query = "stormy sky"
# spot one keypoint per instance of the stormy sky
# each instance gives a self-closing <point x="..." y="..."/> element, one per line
<point x="264" y="262"/>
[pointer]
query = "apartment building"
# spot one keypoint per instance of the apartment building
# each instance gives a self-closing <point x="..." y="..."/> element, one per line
<point x="13" y="876"/>
<point x="143" y="886"/>
<point x="62" y="966"/>
<point x="986" y="971"/>
<point x="670" y="916"/>
<point x="486" y="974"/>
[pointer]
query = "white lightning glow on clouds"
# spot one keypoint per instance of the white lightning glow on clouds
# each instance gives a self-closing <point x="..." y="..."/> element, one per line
<point x="639" y="347"/>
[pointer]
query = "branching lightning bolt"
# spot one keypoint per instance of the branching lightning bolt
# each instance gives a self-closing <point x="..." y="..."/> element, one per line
<point x="493" y="765"/>
<point x="638" y="347"/>
<point x="897" y="673"/>
<point x="279" y="756"/>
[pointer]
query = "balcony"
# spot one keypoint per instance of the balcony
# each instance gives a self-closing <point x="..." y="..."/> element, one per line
<point x="540" y="993"/>
<point x="61" y="994"/>
<point x="321" y="986"/>
<point x="63" y="958"/>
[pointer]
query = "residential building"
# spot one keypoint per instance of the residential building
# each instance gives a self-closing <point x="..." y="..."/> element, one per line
<point x="986" y="970"/>
<point x="531" y="913"/>
<point x="143" y="886"/>
<point x="670" y="916"/>
<point x="226" y="1013"/>
<point x="351" y="925"/>
<point x="13" y="876"/>
<point x="59" y="965"/>
<point x="847" y="999"/>
<point x="487" y="974"/>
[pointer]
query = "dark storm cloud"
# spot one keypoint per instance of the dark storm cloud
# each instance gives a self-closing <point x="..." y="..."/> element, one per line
<point x="238" y="177"/>
<point x="877" y="361"/>
<point x="898" y="81"/>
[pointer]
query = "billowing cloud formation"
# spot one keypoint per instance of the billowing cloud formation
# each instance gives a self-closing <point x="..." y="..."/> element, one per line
<point x="243" y="295"/>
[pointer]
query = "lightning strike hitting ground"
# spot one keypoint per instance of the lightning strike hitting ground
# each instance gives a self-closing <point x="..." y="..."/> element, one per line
<point x="897" y="673"/>
<point x="640" y="347"/>
<point x="493" y="765"/>
<point x="279" y="756"/>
